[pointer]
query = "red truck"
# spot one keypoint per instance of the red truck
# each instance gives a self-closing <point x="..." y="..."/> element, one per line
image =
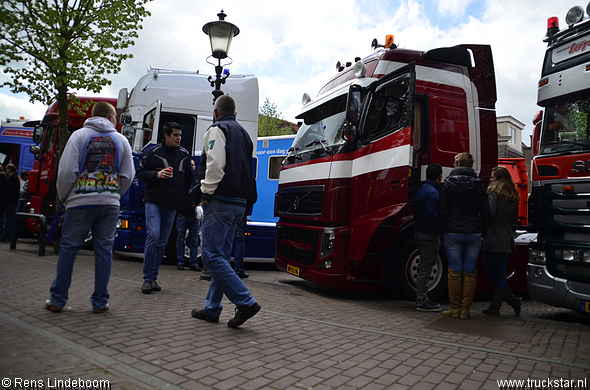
<point x="346" y="188"/>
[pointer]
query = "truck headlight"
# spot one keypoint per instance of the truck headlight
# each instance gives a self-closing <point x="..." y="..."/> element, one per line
<point x="327" y="244"/>
<point x="537" y="257"/>
<point x="569" y="255"/>
<point x="123" y="224"/>
<point x="586" y="257"/>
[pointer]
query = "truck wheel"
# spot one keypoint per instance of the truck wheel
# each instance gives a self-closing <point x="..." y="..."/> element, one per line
<point x="405" y="273"/>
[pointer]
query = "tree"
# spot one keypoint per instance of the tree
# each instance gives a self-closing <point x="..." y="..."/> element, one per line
<point x="270" y="121"/>
<point x="53" y="47"/>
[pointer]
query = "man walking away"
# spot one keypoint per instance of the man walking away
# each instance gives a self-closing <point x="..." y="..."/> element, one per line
<point x="166" y="169"/>
<point x="95" y="169"/>
<point x="225" y="188"/>
<point x="426" y="234"/>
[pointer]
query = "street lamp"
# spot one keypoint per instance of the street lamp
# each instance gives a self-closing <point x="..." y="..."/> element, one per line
<point x="220" y="34"/>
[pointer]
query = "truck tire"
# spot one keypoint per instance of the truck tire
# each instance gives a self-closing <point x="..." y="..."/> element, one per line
<point x="405" y="272"/>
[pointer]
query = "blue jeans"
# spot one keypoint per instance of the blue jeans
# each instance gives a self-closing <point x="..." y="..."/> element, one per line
<point x="192" y="240"/>
<point x="219" y="226"/>
<point x="240" y="246"/>
<point x="76" y="225"/>
<point x="494" y="265"/>
<point x="158" y="221"/>
<point x="462" y="251"/>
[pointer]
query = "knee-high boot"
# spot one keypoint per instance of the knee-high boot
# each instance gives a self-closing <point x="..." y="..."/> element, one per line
<point x="454" y="294"/>
<point x="513" y="301"/>
<point x="469" y="282"/>
<point x="496" y="303"/>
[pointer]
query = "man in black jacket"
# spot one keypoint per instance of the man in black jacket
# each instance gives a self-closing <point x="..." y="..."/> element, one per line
<point x="166" y="169"/>
<point x="13" y="192"/>
<point x="226" y="184"/>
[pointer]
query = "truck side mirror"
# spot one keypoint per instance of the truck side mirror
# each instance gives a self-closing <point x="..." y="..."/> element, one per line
<point x="537" y="123"/>
<point x="38" y="134"/>
<point x="128" y="132"/>
<point x="122" y="99"/>
<point x="353" y="112"/>
<point x="35" y="149"/>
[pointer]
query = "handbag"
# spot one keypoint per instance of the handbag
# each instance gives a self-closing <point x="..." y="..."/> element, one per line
<point x="54" y="233"/>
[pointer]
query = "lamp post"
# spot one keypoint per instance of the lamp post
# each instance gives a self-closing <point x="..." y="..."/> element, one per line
<point x="220" y="34"/>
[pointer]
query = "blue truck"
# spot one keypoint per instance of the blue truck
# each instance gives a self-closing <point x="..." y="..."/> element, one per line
<point x="15" y="143"/>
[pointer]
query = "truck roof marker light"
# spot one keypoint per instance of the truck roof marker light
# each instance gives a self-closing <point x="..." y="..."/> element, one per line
<point x="389" y="42"/>
<point x="305" y="98"/>
<point x="339" y="67"/>
<point x="552" y="26"/>
<point x="360" y="69"/>
<point x="574" y="15"/>
<point x="543" y="82"/>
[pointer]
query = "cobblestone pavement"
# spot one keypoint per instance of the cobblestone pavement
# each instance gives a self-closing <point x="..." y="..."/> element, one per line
<point x="305" y="337"/>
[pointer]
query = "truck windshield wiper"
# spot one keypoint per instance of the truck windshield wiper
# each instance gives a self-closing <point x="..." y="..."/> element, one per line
<point x="295" y="152"/>
<point x="321" y="142"/>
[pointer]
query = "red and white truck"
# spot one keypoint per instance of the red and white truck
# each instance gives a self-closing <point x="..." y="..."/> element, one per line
<point x="346" y="188"/>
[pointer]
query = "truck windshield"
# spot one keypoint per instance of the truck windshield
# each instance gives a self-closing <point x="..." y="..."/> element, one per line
<point x="322" y="127"/>
<point x="566" y="128"/>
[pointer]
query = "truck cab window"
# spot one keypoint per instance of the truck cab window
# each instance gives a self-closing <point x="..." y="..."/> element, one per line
<point x="389" y="111"/>
<point x="566" y="127"/>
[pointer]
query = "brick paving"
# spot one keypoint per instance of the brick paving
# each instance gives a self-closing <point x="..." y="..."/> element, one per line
<point x="305" y="337"/>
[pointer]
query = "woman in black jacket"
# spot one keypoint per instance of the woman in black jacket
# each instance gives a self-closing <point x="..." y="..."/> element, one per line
<point x="498" y="243"/>
<point x="464" y="216"/>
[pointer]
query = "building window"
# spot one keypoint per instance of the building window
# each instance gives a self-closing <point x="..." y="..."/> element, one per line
<point x="513" y="135"/>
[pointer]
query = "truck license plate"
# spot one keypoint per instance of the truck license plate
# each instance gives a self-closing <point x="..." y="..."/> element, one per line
<point x="585" y="306"/>
<point x="292" y="270"/>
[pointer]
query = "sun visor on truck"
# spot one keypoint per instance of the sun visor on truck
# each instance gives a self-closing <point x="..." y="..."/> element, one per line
<point x="451" y="55"/>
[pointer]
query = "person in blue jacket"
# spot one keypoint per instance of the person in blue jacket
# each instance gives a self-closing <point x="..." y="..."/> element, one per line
<point x="426" y="234"/>
<point x="166" y="169"/>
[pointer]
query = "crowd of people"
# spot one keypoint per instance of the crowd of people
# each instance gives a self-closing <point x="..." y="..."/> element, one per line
<point x="210" y="203"/>
<point x="216" y="195"/>
<point x="468" y="216"/>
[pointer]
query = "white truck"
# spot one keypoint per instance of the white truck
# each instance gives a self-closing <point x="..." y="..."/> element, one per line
<point x="184" y="97"/>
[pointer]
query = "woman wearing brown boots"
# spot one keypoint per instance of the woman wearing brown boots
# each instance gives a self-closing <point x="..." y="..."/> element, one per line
<point x="464" y="216"/>
<point x="498" y="243"/>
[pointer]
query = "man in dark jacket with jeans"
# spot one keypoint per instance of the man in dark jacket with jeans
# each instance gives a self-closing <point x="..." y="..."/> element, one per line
<point x="167" y="170"/>
<point x="226" y="186"/>
<point x="426" y="234"/>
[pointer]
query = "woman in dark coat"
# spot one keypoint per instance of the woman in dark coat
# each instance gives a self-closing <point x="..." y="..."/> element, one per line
<point x="499" y="242"/>
<point x="464" y="214"/>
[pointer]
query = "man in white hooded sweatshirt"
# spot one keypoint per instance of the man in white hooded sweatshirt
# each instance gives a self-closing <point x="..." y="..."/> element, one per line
<point x="95" y="169"/>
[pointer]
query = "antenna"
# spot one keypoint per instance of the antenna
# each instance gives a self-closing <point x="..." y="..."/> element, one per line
<point x="169" y="62"/>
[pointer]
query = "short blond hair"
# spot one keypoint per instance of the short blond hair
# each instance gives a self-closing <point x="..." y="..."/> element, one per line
<point x="104" y="110"/>
<point x="464" y="160"/>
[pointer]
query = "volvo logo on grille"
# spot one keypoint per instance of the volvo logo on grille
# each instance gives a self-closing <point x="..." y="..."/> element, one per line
<point x="581" y="166"/>
<point x="296" y="203"/>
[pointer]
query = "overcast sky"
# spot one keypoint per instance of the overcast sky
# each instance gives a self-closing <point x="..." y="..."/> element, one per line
<point x="292" y="47"/>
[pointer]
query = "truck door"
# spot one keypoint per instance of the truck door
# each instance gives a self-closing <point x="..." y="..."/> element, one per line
<point x="381" y="164"/>
<point x="148" y="133"/>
